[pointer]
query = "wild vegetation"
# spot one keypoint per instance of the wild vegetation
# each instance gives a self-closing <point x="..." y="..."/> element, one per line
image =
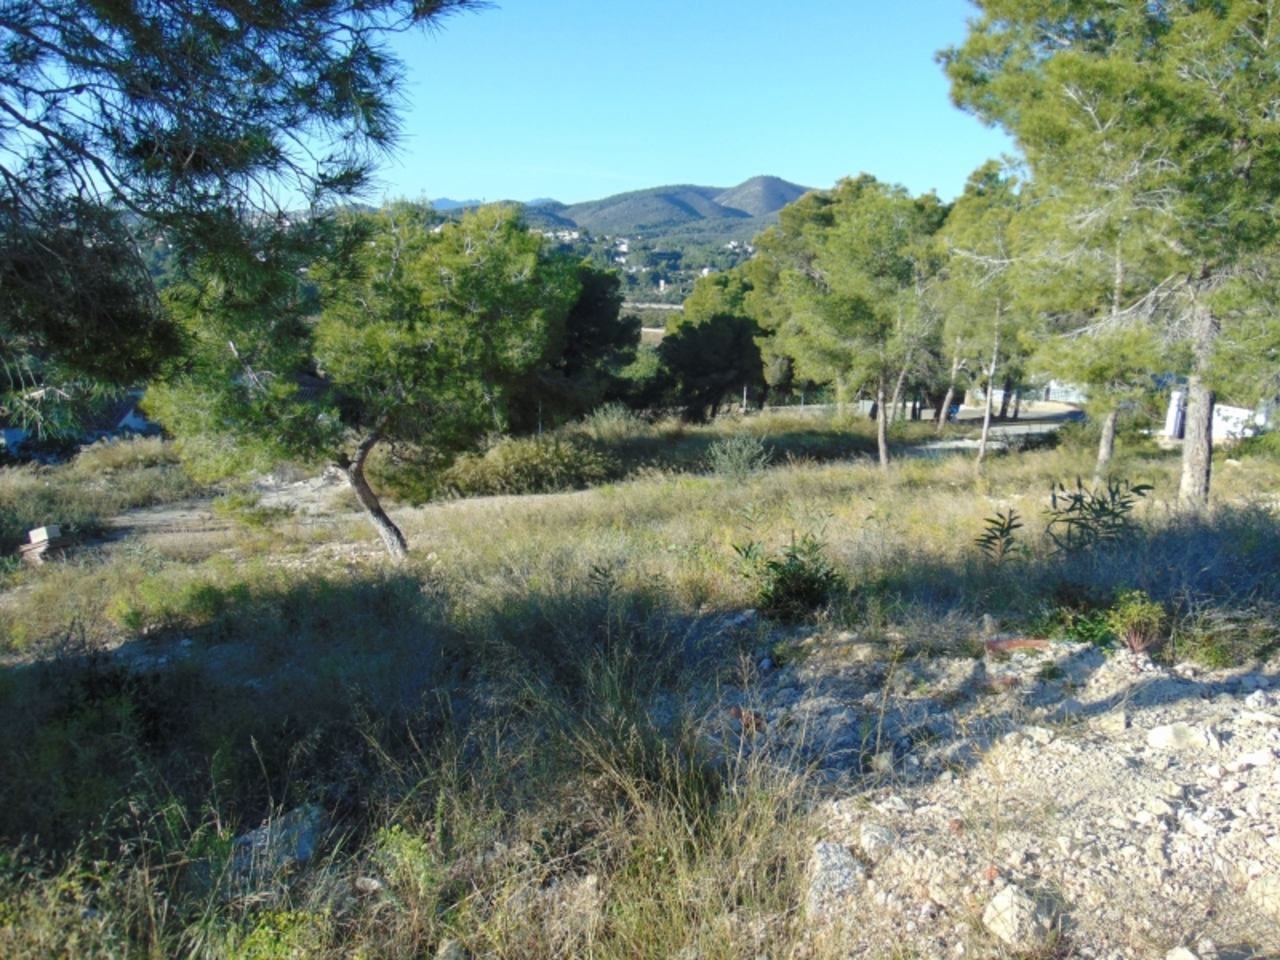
<point x="269" y="740"/>
<point x="511" y="736"/>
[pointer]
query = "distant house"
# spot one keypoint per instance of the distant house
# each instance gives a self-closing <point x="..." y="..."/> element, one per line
<point x="117" y="418"/>
<point x="1229" y="423"/>
<point x="1059" y="392"/>
<point x="123" y="416"/>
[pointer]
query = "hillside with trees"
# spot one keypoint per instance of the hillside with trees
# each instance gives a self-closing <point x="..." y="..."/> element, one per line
<point x="450" y="617"/>
<point x="661" y="239"/>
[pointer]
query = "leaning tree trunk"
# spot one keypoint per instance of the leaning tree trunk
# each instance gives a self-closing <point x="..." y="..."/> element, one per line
<point x="1197" y="447"/>
<point x="353" y="467"/>
<point x="1106" y="447"/>
<point x="945" y="410"/>
<point x="882" y="422"/>
<point x="991" y="384"/>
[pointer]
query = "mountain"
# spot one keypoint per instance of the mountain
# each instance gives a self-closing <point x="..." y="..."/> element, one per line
<point x="697" y="213"/>
<point x="674" y="206"/>
<point x="444" y="203"/>
<point x="761" y="196"/>
<point x="658" y="206"/>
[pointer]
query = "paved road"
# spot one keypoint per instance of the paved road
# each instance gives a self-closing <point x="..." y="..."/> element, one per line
<point x="1037" y="423"/>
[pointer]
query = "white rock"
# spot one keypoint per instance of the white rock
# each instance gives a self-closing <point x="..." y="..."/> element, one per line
<point x="1180" y="953"/>
<point x="368" y="884"/>
<point x="835" y="877"/>
<point x="1264" y="893"/>
<point x="451" y="950"/>
<point x="1069" y="709"/>
<point x="289" y="839"/>
<point x="1258" y="758"/>
<point x="1198" y="828"/>
<point x="893" y="804"/>
<point x="1113" y="721"/>
<point x="1040" y="735"/>
<point x="1017" y="920"/>
<point x="1258" y="718"/>
<point x="876" y="840"/>
<point x="1177" y="736"/>
<point x="1259" y="700"/>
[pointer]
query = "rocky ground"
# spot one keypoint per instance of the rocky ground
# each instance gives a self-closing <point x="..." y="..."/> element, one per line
<point x="1059" y="802"/>
<point x="989" y="797"/>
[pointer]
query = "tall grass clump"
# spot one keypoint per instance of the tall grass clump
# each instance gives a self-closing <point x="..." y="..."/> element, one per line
<point x="611" y="423"/>
<point x="738" y="456"/>
<point x="529" y="465"/>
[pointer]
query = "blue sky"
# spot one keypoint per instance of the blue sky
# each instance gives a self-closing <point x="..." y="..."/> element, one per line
<point x="579" y="99"/>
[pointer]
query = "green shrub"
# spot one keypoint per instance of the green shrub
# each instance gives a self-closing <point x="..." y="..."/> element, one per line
<point x="1221" y="636"/>
<point x="738" y="456"/>
<point x="1136" y="619"/>
<point x="529" y="465"/>
<point x="611" y="423"/>
<point x="1083" y="519"/>
<point x="997" y="541"/>
<point x="179" y="598"/>
<point x="132" y="453"/>
<point x="103" y="480"/>
<point x="794" y="582"/>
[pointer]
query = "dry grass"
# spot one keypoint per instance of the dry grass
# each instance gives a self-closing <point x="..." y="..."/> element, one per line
<point x="503" y="731"/>
<point x="100" y="482"/>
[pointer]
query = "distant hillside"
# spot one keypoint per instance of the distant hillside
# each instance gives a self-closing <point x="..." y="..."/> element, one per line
<point x="707" y="213"/>
<point x="660" y="206"/>
<point x="444" y="203"/>
<point x="761" y="196"/>
<point x="673" y="206"/>
<point x="662" y="239"/>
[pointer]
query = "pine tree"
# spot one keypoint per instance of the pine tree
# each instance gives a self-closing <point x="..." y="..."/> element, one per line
<point x="199" y="121"/>
<point x="861" y="314"/>
<point x="1164" y="108"/>
<point x="426" y="332"/>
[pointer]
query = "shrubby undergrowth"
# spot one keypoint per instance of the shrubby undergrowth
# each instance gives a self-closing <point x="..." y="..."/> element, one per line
<point x="504" y="732"/>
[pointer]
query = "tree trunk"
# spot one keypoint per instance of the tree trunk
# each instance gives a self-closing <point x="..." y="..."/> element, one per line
<point x="1197" y="447"/>
<point x="353" y="467"/>
<point x="898" y="389"/>
<point x="1106" y="447"/>
<point x="882" y="423"/>
<point x="991" y="382"/>
<point x="1006" y="394"/>
<point x="945" y="410"/>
